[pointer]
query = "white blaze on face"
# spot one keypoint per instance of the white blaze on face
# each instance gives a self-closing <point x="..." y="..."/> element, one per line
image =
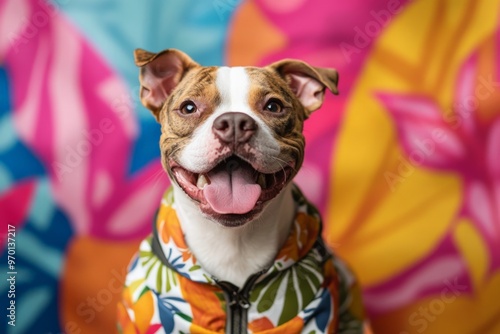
<point x="233" y="85"/>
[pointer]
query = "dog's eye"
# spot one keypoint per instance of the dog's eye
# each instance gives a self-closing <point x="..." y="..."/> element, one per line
<point x="188" y="107"/>
<point x="274" y="106"/>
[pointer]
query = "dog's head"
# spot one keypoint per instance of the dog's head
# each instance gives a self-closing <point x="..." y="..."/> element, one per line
<point x="231" y="136"/>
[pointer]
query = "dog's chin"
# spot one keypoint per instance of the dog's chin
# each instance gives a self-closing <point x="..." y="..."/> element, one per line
<point x="193" y="185"/>
<point x="232" y="220"/>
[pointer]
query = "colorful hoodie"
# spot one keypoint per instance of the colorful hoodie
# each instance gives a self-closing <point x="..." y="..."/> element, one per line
<point x="305" y="290"/>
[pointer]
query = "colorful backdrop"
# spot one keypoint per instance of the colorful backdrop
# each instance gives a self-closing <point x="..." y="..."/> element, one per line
<point x="404" y="164"/>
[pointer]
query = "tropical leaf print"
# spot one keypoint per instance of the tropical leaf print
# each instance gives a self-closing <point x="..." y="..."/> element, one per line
<point x="164" y="278"/>
<point x="173" y="312"/>
<point x="295" y="288"/>
<point x="297" y="294"/>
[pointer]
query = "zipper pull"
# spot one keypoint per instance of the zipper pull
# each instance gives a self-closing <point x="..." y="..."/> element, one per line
<point x="237" y="303"/>
<point x="239" y="299"/>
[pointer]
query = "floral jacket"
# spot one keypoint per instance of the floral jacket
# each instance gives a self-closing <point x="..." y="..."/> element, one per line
<point x="306" y="290"/>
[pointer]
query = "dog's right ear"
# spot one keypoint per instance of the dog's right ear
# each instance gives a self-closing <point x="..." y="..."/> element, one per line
<point x="159" y="75"/>
<point x="308" y="83"/>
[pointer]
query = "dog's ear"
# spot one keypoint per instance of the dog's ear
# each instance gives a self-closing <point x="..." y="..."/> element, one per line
<point x="159" y="74"/>
<point x="307" y="82"/>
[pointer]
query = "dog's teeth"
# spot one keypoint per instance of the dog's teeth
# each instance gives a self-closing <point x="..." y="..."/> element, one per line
<point x="261" y="181"/>
<point x="202" y="181"/>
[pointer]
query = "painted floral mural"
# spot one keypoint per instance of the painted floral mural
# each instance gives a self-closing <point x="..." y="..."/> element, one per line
<point x="404" y="164"/>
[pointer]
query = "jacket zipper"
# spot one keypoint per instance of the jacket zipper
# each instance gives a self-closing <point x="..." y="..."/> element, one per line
<point x="236" y="300"/>
<point x="237" y="304"/>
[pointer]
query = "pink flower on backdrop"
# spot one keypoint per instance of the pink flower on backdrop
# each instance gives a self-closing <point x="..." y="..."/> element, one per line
<point x="75" y="113"/>
<point x="460" y="142"/>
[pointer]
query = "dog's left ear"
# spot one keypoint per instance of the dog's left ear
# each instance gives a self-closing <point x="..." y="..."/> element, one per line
<point x="307" y="82"/>
<point x="160" y="74"/>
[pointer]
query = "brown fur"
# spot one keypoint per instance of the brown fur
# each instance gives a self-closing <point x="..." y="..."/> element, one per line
<point x="172" y="77"/>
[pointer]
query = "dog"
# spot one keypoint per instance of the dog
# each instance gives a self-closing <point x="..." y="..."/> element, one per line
<point x="236" y="247"/>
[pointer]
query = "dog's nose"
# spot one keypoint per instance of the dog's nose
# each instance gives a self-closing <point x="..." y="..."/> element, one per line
<point x="234" y="127"/>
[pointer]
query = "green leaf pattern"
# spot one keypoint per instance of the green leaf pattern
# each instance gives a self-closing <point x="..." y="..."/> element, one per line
<point x="159" y="277"/>
<point x="295" y="287"/>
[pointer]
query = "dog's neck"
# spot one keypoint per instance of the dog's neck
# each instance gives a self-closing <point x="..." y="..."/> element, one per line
<point x="234" y="254"/>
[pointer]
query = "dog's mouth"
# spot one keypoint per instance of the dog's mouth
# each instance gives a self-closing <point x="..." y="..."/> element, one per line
<point x="233" y="190"/>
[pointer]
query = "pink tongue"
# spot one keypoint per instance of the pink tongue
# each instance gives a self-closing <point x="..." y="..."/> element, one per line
<point x="232" y="189"/>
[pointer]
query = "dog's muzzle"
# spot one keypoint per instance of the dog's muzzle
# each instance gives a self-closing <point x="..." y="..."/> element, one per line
<point x="233" y="185"/>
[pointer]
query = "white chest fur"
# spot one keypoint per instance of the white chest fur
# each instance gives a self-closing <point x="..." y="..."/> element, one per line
<point x="234" y="253"/>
